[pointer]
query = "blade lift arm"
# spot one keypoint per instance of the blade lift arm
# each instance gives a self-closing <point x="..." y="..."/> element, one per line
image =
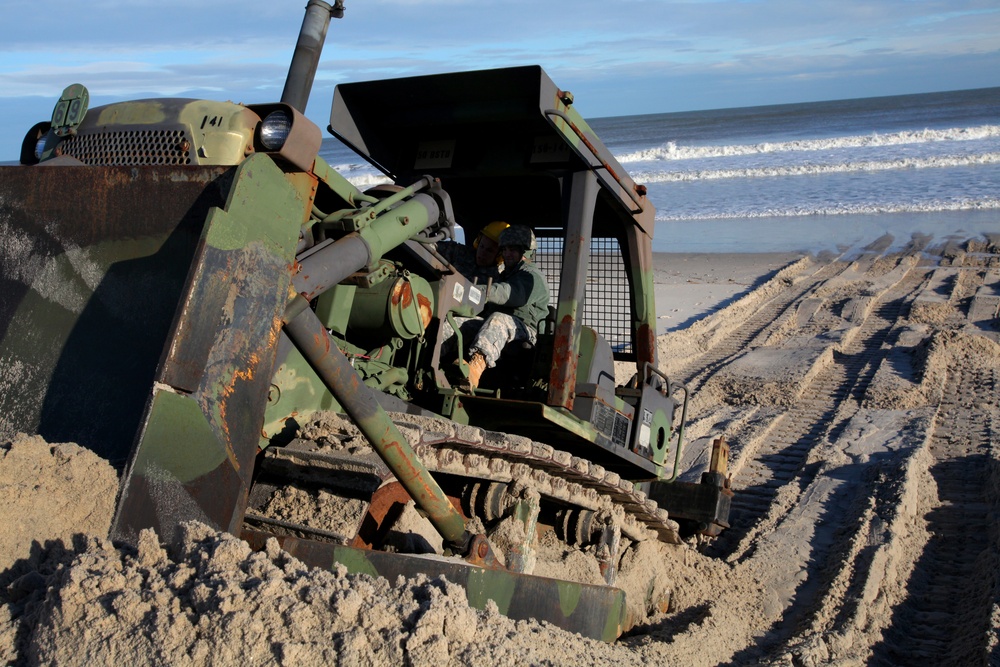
<point x="371" y="232"/>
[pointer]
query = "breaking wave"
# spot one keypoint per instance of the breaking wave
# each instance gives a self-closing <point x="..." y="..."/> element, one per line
<point x="943" y="161"/>
<point x="671" y="151"/>
<point x="932" y="206"/>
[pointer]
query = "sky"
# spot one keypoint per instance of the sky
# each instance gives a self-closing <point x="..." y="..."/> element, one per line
<point x="618" y="57"/>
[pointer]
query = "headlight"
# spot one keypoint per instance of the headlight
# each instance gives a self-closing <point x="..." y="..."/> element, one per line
<point x="33" y="144"/>
<point x="274" y="130"/>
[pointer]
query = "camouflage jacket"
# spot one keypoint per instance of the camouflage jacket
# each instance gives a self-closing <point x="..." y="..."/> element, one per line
<point x="522" y="292"/>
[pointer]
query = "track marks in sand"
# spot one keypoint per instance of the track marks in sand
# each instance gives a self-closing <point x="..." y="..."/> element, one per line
<point x="945" y="617"/>
<point x="723" y="337"/>
<point x="864" y="523"/>
<point x="782" y="455"/>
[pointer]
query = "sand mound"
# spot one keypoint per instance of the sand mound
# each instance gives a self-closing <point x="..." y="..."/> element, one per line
<point x="51" y="492"/>
<point x="69" y="597"/>
<point x="208" y="599"/>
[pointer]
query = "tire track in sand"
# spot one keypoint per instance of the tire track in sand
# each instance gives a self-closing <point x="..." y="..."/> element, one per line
<point x="946" y="616"/>
<point x="826" y="405"/>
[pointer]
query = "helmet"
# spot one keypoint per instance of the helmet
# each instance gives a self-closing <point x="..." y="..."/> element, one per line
<point x="491" y="231"/>
<point x="519" y="235"/>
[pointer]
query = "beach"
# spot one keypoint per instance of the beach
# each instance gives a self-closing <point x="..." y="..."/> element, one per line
<point x="858" y="394"/>
<point x="691" y="285"/>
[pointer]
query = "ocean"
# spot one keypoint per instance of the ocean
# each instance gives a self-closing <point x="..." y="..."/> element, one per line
<point x="818" y="176"/>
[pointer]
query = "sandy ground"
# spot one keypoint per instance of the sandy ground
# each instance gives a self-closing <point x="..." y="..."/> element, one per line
<point x="859" y="395"/>
<point x="690" y="286"/>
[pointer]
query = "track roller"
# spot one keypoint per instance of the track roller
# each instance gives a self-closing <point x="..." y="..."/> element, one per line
<point x="582" y="528"/>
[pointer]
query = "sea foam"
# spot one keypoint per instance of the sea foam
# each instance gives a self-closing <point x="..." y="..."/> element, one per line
<point x="671" y="151"/>
<point x="939" y="162"/>
<point x="931" y="206"/>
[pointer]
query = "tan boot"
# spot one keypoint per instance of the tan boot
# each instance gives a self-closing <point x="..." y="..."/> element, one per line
<point x="477" y="364"/>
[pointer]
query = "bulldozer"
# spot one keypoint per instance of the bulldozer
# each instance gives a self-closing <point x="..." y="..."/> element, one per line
<point x="185" y="283"/>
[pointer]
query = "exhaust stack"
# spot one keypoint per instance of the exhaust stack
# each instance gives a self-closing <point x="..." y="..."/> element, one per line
<point x="305" y="61"/>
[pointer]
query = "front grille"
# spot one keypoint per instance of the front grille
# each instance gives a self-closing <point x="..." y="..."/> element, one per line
<point x="607" y="306"/>
<point x="130" y="147"/>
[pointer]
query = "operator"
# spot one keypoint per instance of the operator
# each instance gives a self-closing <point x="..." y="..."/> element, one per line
<point x="514" y="305"/>
<point x="482" y="261"/>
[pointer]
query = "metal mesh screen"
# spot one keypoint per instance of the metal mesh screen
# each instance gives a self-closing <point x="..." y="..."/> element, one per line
<point x="607" y="307"/>
<point x="130" y="147"/>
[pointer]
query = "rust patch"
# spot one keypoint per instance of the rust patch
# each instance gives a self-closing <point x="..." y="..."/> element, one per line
<point x="385" y="508"/>
<point x="593" y="149"/>
<point x="645" y="345"/>
<point x="402" y="294"/>
<point x="322" y="341"/>
<point x="426" y="313"/>
<point x="274" y="332"/>
<point x="562" y="376"/>
<point x="224" y="396"/>
<point x="404" y="467"/>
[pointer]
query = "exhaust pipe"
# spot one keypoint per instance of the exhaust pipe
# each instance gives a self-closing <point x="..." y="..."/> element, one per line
<point x="305" y="61"/>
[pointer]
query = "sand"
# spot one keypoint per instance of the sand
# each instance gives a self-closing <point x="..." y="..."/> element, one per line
<point x="689" y="286"/>
<point x="859" y="395"/>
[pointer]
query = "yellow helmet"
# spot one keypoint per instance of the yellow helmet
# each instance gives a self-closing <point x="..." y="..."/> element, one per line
<point x="491" y="231"/>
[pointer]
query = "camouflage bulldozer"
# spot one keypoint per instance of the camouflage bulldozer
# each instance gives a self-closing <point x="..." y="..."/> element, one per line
<point x="185" y="283"/>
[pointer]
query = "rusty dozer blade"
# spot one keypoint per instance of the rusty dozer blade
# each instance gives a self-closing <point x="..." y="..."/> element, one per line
<point x="142" y="306"/>
<point x="195" y="450"/>
<point x="93" y="262"/>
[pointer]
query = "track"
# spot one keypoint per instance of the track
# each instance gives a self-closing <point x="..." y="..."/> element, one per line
<point x="827" y="404"/>
<point x="474" y="454"/>
<point x="735" y="338"/>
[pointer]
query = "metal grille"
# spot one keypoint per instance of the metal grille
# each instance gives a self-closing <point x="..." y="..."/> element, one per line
<point x="607" y="306"/>
<point x="130" y="147"/>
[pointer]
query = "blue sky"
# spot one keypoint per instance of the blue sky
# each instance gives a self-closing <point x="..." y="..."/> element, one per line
<point x="618" y="57"/>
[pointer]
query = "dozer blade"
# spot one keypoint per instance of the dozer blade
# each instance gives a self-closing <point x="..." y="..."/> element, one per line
<point x="143" y="306"/>
<point x="598" y="612"/>
<point x="93" y="262"/>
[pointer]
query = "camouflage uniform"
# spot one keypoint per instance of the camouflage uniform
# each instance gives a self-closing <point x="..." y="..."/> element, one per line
<point x="463" y="258"/>
<point x="523" y="293"/>
<point x="488" y="336"/>
<point x="515" y="306"/>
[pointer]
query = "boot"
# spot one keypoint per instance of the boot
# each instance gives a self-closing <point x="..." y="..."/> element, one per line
<point x="477" y="364"/>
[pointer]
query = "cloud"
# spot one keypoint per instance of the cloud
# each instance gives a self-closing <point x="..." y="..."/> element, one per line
<point x="628" y="56"/>
<point x="849" y="42"/>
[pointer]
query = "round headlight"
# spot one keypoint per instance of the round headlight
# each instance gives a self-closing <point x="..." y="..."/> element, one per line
<point x="39" y="147"/>
<point x="274" y="130"/>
